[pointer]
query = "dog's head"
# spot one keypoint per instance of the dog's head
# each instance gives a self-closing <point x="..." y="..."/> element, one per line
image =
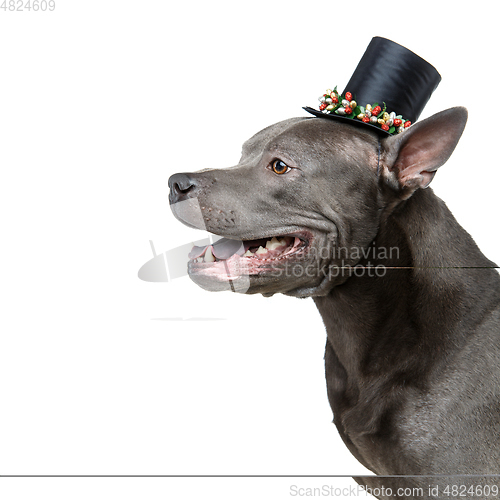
<point x="304" y="188"/>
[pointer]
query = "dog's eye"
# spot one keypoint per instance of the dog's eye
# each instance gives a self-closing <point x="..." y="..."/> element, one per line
<point x="280" y="167"/>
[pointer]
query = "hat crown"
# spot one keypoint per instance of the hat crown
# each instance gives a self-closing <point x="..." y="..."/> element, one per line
<point x="391" y="73"/>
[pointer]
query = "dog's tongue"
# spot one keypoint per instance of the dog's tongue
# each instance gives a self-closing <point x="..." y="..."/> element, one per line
<point x="222" y="249"/>
<point x="196" y="252"/>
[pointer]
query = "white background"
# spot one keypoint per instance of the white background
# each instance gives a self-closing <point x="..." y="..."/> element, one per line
<point x="100" y="102"/>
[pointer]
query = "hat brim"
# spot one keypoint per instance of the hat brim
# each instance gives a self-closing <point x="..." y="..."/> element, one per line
<point x="358" y="123"/>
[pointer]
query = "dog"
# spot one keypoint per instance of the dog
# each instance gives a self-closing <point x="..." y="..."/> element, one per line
<point x="324" y="209"/>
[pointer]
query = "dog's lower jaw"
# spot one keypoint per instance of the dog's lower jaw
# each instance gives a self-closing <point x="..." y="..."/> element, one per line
<point x="309" y="271"/>
<point x="299" y="269"/>
<point x="323" y="288"/>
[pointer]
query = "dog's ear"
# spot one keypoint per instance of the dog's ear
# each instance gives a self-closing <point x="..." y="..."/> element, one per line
<point x="414" y="155"/>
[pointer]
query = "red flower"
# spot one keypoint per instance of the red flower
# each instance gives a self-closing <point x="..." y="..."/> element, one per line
<point x="366" y="119"/>
<point x="385" y="126"/>
<point x="322" y="106"/>
<point x="335" y="99"/>
<point x="348" y="110"/>
<point x="348" y="96"/>
<point x="376" y="110"/>
<point x="407" y="123"/>
<point x="397" y="122"/>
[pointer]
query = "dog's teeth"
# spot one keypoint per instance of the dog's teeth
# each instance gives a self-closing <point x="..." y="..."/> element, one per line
<point x="209" y="256"/>
<point x="199" y="259"/>
<point x="273" y="243"/>
<point x="248" y="254"/>
<point x="260" y="251"/>
<point x="282" y="242"/>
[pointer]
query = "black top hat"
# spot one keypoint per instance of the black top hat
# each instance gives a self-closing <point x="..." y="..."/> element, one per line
<point x="389" y="75"/>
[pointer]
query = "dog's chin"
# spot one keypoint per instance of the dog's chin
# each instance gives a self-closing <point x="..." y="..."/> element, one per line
<point x="281" y="264"/>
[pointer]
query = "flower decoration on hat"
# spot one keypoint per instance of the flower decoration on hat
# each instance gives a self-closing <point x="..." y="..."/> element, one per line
<point x="331" y="102"/>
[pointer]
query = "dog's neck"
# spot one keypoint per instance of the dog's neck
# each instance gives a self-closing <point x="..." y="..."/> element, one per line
<point x="395" y="330"/>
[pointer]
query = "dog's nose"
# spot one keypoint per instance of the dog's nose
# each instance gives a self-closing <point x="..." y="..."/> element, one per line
<point x="182" y="187"/>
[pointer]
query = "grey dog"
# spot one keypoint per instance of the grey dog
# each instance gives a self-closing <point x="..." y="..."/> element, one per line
<point x="322" y="209"/>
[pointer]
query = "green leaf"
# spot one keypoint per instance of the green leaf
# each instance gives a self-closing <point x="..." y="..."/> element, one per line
<point x="392" y="130"/>
<point x="362" y="109"/>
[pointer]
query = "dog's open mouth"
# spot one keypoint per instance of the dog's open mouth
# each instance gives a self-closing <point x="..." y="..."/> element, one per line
<point x="230" y="264"/>
<point x="260" y="251"/>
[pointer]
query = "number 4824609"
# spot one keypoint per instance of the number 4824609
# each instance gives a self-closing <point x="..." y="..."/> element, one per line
<point x="21" y="5"/>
